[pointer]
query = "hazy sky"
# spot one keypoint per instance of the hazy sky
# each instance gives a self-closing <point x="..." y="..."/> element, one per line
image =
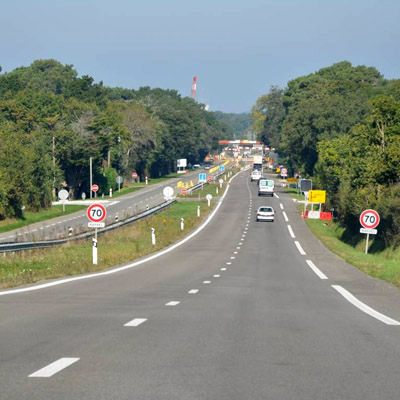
<point x="237" y="48"/>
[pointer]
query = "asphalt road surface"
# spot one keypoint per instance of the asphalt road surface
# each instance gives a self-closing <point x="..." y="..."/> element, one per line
<point x="239" y="311"/>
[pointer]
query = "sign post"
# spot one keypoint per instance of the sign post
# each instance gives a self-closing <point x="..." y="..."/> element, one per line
<point x="119" y="180"/>
<point x="369" y="219"/>
<point x="96" y="213"/>
<point x="94" y="189"/>
<point x="63" y="195"/>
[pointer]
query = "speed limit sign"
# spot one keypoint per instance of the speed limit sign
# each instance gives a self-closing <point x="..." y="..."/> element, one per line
<point x="369" y="219"/>
<point x="96" y="213"/>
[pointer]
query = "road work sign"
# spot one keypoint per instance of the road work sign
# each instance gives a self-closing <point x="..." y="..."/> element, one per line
<point x="317" y="196"/>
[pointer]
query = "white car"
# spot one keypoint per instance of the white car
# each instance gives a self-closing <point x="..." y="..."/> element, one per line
<point x="266" y="186"/>
<point x="265" y="213"/>
<point x="256" y="175"/>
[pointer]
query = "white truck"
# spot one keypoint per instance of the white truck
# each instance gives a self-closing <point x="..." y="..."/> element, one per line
<point x="257" y="162"/>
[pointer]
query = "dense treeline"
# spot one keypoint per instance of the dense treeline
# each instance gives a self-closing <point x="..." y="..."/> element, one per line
<point x="341" y="126"/>
<point x="52" y="122"/>
<point x="237" y="125"/>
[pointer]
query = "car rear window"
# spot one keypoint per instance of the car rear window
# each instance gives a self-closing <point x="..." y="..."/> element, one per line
<point x="266" y="209"/>
<point x="267" y="183"/>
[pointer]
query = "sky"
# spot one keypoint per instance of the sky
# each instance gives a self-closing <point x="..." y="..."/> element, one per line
<point x="238" y="49"/>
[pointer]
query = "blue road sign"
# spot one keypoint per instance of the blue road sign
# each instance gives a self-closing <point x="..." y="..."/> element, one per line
<point x="202" y="178"/>
<point x="222" y="168"/>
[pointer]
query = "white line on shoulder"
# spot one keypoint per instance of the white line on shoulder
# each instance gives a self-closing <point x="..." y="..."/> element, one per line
<point x="363" y="307"/>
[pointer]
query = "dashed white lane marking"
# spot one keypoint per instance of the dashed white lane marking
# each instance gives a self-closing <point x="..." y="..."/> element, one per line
<point x="206" y="282"/>
<point x="291" y="232"/>
<point x="281" y="206"/>
<point x="240" y="243"/>
<point x="136" y="322"/>
<point x="238" y="248"/>
<point x="217" y="276"/>
<point x="317" y="271"/>
<point x="235" y="252"/>
<point x="193" y="291"/>
<point x="54" y="367"/>
<point x="276" y="195"/>
<point x="223" y="269"/>
<point x="34" y="230"/>
<point x="47" y="226"/>
<point x="298" y="245"/>
<point x="285" y="216"/>
<point x="232" y="258"/>
<point x="41" y="227"/>
<point x="363" y="307"/>
<point x="172" y="303"/>
<point x="228" y="263"/>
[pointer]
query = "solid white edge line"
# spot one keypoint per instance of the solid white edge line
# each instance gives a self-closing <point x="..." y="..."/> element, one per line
<point x="317" y="271"/>
<point x="54" y="367"/>
<point x="291" y="232"/>
<point x="298" y="245"/>
<point x="363" y="307"/>
<point x="129" y="266"/>
<point x="136" y="322"/>
<point x="285" y="216"/>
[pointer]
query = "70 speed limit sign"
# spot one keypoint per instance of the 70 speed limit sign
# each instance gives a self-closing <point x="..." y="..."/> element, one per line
<point x="96" y="213"/>
<point x="369" y="219"/>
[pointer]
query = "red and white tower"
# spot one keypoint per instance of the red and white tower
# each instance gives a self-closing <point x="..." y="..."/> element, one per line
<point x="194" y="87"/>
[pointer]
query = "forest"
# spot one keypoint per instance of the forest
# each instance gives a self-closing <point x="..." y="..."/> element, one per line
<point x="52" y="121"/>
<point x="340" y="126"/>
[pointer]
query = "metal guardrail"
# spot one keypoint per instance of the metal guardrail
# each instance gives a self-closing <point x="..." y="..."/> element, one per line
<point x="6" y="247"/>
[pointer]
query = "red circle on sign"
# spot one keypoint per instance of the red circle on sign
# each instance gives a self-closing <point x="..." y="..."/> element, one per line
<point x="369" y="219"/>
<point x="96" y="213"/>
<point x="134" y="175"/>
<point x="95" y="188"/>
<point x="184" y="191"/>
<point x="210" y="178"/>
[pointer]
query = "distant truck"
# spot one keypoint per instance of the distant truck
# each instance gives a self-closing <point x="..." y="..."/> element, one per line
<point x="257" y="162"/>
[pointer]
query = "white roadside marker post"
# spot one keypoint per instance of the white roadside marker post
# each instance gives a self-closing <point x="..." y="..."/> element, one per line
<point x="182" y="224"/>
<point x="198" y="211"/>
<point x="110" y="192"/>
<point x="95" y="247"/>
<point x="147" y="180"/>
<point x="153" y="236"/>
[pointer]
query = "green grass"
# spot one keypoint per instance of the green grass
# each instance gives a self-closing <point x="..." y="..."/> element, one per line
<point x="116" y="247"/>
<point x="385" y="265"/>
<point x="294" y="193"/>
<point x="33" y="217"/>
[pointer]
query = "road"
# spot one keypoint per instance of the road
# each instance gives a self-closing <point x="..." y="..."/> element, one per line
<point x="234" y="313"/>
<point x="121" y="207"/>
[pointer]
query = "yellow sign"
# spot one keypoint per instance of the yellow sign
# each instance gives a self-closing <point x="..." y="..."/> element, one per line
<point x="316" y="196"/>
<point x="293" y="179"/>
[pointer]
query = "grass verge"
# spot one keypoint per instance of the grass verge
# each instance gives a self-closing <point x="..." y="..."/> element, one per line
<point x="376" y="265"/>
<point x="384" y="265"/>
<point x="33" y="217"/>
<point x="116" y="247"/>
